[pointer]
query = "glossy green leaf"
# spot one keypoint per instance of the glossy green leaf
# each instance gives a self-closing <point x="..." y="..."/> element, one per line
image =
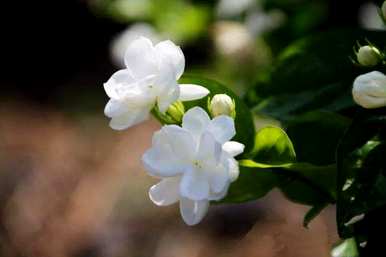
<point x="317" y="61"/>
<point x="314" y="73"/>
<point x="316" y="135"/>
<point x="361" y="168"/>
<point x="347" y="248"/>
<point x="252" y="184"/>
<point x="272" y="146"/>
<point x="302" y="182"/>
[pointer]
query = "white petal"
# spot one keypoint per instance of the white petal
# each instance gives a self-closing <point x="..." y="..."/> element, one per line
<point x="189" y="92"/>
<point x="129" y="118"/>
<point x="115" y="108"/>
<point x="219" y="178"/>
<point x="181" y="141"/>
<point x="233" y="148"/>
<point x="220" y="195"/>
<point x="160" y="160"/>
<point x="233" y="169"/>
<point x="193" y="212"/>
<point x="165" y="192"/>
<point x="195" y="120"/>
<point x="117" y="80"/>
<point x="165" y="100"/>
<point x="194" y="185"/>
<point x="223" y="128"/>
<point x="169" y="52"/>
<point x="166" y="78"/>
<point x="141" y="58"/>
<point x="209" y="150"/>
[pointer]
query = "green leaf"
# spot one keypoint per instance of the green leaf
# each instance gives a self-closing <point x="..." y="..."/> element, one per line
<point x="302" y="182"/>
<point x="316" y="135"/>
<point x="361" y="181"/>
<point x="272" y="146"/>
<point x="347" y="248"/>
<point x="314" y="73"/>
<point x="245" y="129"/>
<point x="318" y="61"/>
<point x="252" y="184"/>
<point x="284" y="106"/>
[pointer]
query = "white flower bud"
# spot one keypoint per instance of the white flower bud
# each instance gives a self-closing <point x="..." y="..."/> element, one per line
<point x="368" y="56"/>
<point x="369" y="90"/>
<point x="222" y="104"/>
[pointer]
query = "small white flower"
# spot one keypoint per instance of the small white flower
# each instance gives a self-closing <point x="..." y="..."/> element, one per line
<point x="369" y="90"/>
<point x="368" y="56"/>
<point x="222" y="104"/>
<point x="150" y="78"/>
<point x="196" y="163"/>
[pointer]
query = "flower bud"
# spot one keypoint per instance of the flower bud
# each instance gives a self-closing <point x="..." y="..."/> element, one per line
<point x="176" y="111"/>
<point x="369" y="90"/>
<point x="368" y="56"/>
<point x="222" y="104"/>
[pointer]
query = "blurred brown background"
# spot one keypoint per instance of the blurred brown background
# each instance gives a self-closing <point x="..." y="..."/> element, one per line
<point x="73" y="187"/>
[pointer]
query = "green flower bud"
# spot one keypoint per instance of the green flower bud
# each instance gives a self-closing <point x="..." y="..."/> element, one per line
<point x="368" y="56"/>
<point x="222" y="104"/>
<point x="383" y="10"/>
<point x="176" y="111"/>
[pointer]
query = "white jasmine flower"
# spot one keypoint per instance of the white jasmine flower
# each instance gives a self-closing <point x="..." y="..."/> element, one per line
<point x="222" y="104"/>
<point x="150" y="79"/>
<point x="196" y="163"/>
<point x="369" y="90"/>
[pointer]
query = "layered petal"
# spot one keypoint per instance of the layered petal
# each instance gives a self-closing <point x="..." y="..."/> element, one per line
<point x="233" y="148"/>
<point x="170" y="53"/>
<point x="223" y="128"/>
<point x="218" y="178"/>
<point x="190" y="92"/>
<point x="129" y="118"/>
<point x="218" y="196"/>
<point x="118" y="80"/>
<point x="165" y="192"/>
<point x="166" y="87"/>
<point x="194" y="185"/>
<point x="168" y="98"/>
<point x="192" y="211"/>
<point x="181" y="142"/>
<point x="209" y="150"/>
<point x="115" y="108"/>
<point x="160" y="160"/>
<point x="141" y="58"/>
<point x="195" y="120"/>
